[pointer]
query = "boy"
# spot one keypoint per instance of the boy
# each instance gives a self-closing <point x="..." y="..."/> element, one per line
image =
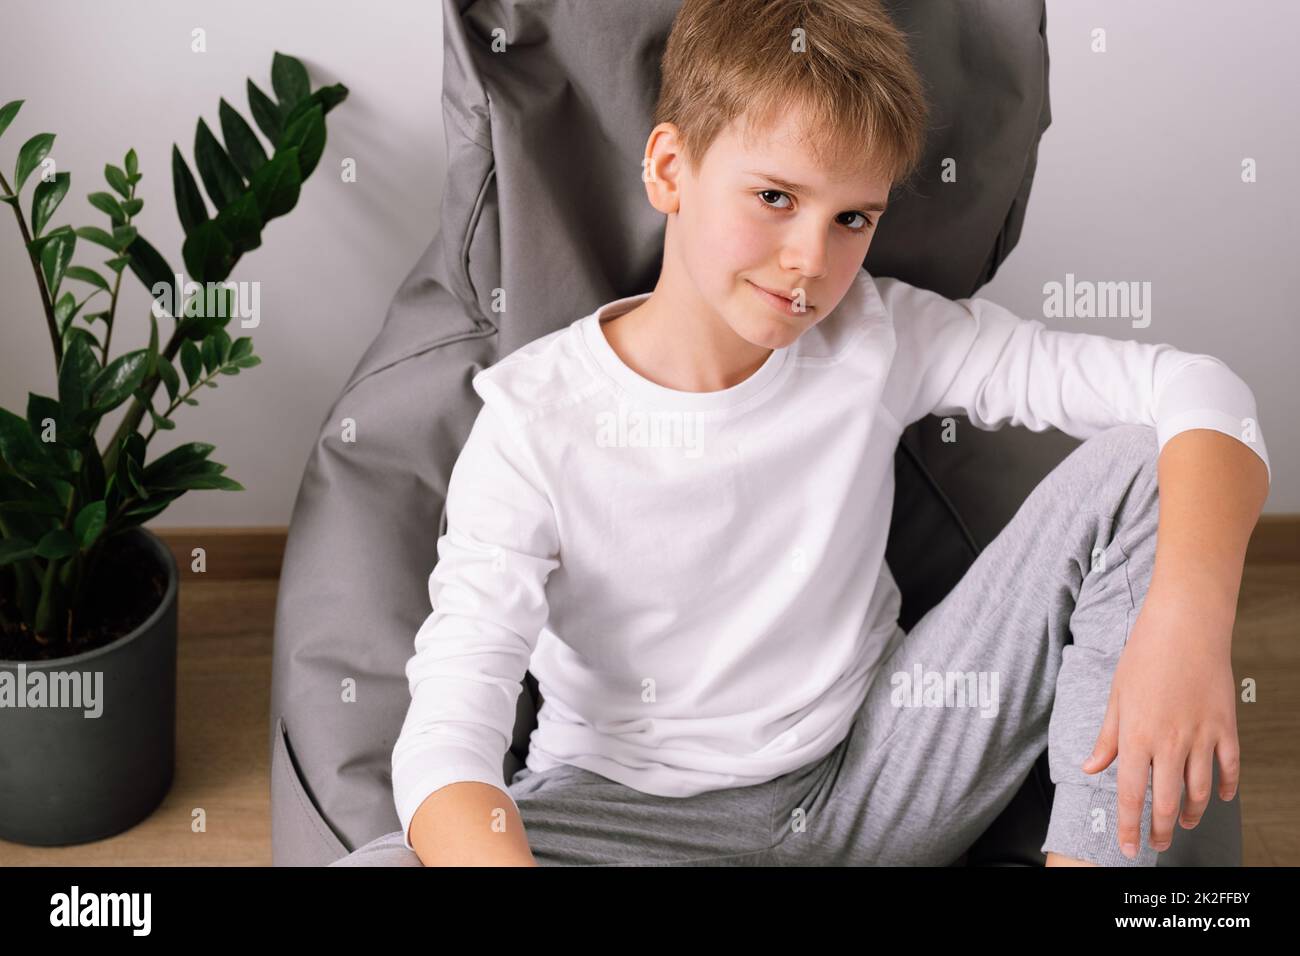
<point x="674" y="512"/>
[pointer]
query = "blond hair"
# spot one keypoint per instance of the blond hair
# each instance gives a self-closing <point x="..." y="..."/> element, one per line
<point x="849" y="70"/>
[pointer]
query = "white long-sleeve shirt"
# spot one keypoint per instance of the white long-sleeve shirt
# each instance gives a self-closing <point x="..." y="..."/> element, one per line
<point x="697" y="579"/>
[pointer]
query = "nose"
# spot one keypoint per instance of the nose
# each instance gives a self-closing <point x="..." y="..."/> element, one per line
<point x="806" y="251"/>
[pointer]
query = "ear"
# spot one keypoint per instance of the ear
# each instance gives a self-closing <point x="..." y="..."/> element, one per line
<point x="662" y="166"/>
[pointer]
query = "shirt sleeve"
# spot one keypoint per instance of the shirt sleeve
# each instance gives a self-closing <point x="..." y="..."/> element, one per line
<point x="487" y="593"/>
<point x="974" y="357"/>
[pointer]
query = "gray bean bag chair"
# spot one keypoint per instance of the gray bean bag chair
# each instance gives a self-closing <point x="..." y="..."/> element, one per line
<point x="534" y="136"/>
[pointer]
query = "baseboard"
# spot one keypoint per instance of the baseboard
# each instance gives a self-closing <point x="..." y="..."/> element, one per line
<point x="228" y="553"/>
<point x="258" y="552"/>
<point x="1276" y="540"/>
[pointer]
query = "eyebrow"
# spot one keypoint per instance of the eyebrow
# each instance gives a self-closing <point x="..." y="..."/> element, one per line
<point x="796" y="188"/>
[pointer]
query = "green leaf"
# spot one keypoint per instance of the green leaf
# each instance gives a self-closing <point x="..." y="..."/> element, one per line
<point x="18" y="446"/>
<point x="246" y="150"/>
<point x="189" y="201"/>
<point x="128" y="472"/>
<point x="134" y="477"/>
<point x="82" y="274"/>
<point x="196" y="482"/>
<point x="150" y="267"/>
<point x="132" y="207"/>
<point x="143" y="512"/>
<point x="97" y="235"/>
<point x="123" y="236"/>
<point x="183" y="459"/>
<point x="94" y="317"/>
<point x="220" y="177"/>
<point x="152" y="350"/>
<point x="117" y="179"/>
<point x="7" y="114"/>
<point x="167" y="372"/>
<point x="209" y="353"/>
<point x="107" y="204"/>
<point x="91" y="484"/>
<point x="77" y="372"/>
<point x="222" y="347"/>
<point x="37" y="245"/>
<point x="75" y="332"/>
<point x="327" y="97"/>
<point x="190" y="401"/>
<point x="241" y="223"/>
<point x="56" y="544"/>
<point x="118" y="380"/>
<point x="15" y="549"/>
<point x="46" y="198"/>
<point x="132" y="164"/>
<point x="89" y="523"/>
<point x="209" y="256"/>
<point x="242" y="346"/>
<point x="161" y="423"/>
<point x="40" y="408"/>
<point x="265" y="113"/>
<point x="119" y="263"/>
<point x="64" y="310"/>
<point x="277" y="183"/>
<point x="191" y="362"/>
<point x="55" y="256"/>
<point x="308" y="134"/>
<point x="248" y="361"/>
<point x="289" y="80"/>
<point x="30" y="156"/>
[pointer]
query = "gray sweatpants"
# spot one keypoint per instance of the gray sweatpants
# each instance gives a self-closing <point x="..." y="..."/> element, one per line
<point x="951" y="726"/>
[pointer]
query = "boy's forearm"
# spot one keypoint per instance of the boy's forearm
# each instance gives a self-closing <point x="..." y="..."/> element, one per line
<point x="1212" y="489"/>
<point x="469" y="824"/>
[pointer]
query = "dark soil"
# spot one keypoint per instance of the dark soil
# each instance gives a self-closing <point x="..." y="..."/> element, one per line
<point x="126" y="587"/>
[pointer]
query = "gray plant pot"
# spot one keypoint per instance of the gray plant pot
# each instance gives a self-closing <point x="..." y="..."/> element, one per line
<point x="69" y="777"/>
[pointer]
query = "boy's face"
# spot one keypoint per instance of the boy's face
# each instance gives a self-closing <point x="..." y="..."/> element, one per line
<point x="734" y="229"/>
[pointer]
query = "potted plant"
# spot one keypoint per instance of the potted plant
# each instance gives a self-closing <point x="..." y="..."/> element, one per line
<point x="87" y="594"/>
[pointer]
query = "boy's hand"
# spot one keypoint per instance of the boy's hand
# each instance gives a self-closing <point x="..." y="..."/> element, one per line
<point x="1172" y="708"/>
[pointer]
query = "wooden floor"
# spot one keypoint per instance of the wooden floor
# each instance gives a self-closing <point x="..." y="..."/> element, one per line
<point x="223" y="761"/>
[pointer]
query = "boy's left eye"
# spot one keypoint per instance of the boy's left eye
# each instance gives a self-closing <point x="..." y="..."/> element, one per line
<point x="777" y="192"/>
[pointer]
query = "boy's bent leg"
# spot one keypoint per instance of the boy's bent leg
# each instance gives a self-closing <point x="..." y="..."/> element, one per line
<point x="963" y="705"/>
<point x="573" y="817"/>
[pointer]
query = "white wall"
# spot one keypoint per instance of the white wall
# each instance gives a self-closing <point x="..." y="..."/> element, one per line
<point x="106" y="77"/>
<point x="1138" y="180"/>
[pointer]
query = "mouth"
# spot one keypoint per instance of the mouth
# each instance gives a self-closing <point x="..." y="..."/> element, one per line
<point x="782" y="303"/>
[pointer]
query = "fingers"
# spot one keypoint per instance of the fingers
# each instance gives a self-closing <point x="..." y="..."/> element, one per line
<point x="1166" y="790"/>
<point x="1106" y="747"/>
<point x="1229" y="764"/>
<point x="1199" y="780"/>
<point x="1134" y="768"/>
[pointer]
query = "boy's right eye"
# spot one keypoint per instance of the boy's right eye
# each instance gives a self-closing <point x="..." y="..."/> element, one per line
<point x="771" y="192"/>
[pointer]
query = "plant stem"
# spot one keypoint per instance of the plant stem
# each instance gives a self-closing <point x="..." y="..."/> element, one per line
<point x="131" y="421"/>
<point x="179" y="399"/>
<point x="117" y="283"/>
<point x="55" y="339"/>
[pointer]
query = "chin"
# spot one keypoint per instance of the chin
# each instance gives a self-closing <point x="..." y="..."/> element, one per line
<point x="769" y="333"/>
